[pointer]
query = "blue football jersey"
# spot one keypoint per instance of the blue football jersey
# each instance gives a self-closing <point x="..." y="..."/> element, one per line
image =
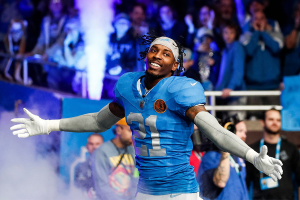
<point x="161" y="131"/>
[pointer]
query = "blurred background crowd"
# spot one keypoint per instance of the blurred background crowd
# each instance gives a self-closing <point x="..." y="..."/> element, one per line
<point x="230" y="44"/>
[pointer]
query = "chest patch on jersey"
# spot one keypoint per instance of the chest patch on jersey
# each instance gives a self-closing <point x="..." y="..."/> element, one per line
<point x="160" y="106"/>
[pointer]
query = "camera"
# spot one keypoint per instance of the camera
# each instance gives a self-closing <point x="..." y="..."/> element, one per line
<point x="203" y="144"/>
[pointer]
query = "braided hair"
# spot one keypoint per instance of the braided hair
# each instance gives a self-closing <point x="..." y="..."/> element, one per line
<point x="149" y="38"/>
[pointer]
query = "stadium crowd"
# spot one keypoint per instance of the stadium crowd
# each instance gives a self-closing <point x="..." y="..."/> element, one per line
<point x="230" y="44"/>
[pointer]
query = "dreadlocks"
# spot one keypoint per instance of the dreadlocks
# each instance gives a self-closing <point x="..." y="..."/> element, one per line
<point x="149" y="38"/>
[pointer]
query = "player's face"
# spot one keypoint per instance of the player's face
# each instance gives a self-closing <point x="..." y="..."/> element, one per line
<point x="125" y="134"/>
<point x="241" y="130"/>
<point x="160" y="61"/>
<point x="272" y="123"/>
<point x="93" y="143"/>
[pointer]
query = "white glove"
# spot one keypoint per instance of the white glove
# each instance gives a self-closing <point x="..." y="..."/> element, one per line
<point x="30" y="127"/>
<point x="268" y="165"/>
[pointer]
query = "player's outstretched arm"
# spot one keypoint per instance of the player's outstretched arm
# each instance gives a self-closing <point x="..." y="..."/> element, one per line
<point x="229" y="142"/>
<point x="92" y="122"/>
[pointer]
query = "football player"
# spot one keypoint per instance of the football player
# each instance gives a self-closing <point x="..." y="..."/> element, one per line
<point x="161" y="110"/>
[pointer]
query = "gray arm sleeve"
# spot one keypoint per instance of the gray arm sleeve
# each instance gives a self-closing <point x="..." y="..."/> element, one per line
<point x="92" y="122"/>
<point x="222" y="138"/>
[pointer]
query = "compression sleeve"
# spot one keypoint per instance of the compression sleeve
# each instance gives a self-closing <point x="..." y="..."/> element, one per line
<point x="221" y="137"/>
<point x="92" y="122"/>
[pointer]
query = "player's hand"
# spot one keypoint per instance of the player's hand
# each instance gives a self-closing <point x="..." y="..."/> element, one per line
<point x="268" y="165"/>
<point x="30" y="127"/>
<point x="226" y="93"/>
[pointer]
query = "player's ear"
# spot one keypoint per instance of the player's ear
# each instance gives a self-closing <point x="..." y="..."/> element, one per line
<point x="175" y="66"/>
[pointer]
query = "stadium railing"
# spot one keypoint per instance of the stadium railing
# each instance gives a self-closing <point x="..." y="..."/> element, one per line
<point x="31" y="59"/>
<point x="213" y="107"/>
<point x="211" y="94"/>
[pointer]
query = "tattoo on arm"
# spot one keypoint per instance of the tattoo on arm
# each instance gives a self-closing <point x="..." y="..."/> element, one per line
<point x="222" y="172"/>
<point x="193" y="111"/>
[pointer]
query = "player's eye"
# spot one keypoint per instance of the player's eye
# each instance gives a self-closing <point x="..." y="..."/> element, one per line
<point x="166" y="54"/>
<point x="153" y="50"/>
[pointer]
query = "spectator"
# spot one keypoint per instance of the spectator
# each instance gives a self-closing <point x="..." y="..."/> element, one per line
<point x="69" y="54"/>
<point x="264" y="187"/>
<point x="206" y="19"/>
<point x="122" y="56"/>
<point x="262" y="71"/>
<point x="225" y="11"/>
<point x="231" y="76"/>
<point x="113" y="166"/>
<point x="10" y="10"/>
<point x="140" y="27"/>
<point x="52" y="32"/>
<point x="138" y="16"/>
<point x="187" y="64"/>
<point x="221" y="175"/>
<point x="170" y="26"/>
<point x="292" y="48"/>
<point x="51" y="29"/>
<point x="15" y="43"/>
<point x="83" y="172"/>
<point x="244" y="13"/>
<point x="254" y="6"/>
<point x="206" y="58"/>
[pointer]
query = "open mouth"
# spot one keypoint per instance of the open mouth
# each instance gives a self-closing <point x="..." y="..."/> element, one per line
<point x="155" y="65"/>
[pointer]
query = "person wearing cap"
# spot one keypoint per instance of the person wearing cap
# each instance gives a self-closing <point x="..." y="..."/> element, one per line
<point x="206" y="58"/>
<point x="121" y="56"/>
<point x="187" y="63"/>
<point x="113" y="166"/>
<point x="161" y="109"/>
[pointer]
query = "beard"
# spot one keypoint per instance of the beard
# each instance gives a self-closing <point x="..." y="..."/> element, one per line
<point x="126" y="142"/>
<point x="269" y="131"/>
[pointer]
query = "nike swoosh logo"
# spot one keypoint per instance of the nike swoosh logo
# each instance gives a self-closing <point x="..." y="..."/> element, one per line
<point x="192" y="84"/>
<point x="174" y="195"/>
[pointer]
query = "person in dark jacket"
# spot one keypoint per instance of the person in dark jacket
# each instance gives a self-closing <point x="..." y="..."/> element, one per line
<point x="206" y="58"/>
<point x="121" y="57"/>
<point x="169" y="26"/>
